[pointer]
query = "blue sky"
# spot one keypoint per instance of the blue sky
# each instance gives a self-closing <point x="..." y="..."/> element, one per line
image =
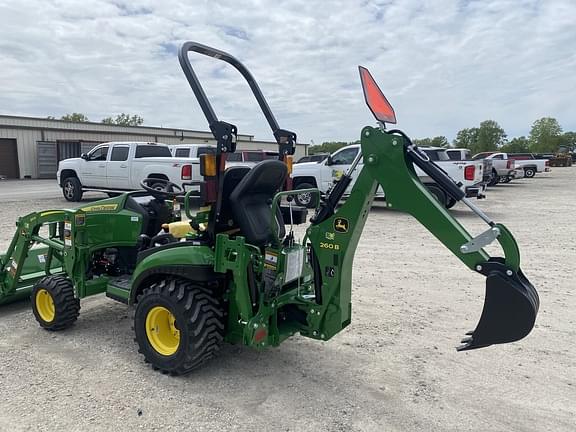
<point x="444" y="64"/>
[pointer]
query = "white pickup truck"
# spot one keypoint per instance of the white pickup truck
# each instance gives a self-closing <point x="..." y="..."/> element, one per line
<point x="322" y="175"/>
<point x="529" y="163"/>
<point x="116" y="167"/>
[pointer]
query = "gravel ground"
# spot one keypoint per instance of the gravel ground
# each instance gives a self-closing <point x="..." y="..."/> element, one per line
<point x="394" y="368"/>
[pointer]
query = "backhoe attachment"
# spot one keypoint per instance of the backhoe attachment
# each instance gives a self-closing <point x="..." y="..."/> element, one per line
<point x="511" y="302"/>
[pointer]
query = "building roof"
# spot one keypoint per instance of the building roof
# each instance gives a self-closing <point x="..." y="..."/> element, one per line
<point x="45" y="123"/>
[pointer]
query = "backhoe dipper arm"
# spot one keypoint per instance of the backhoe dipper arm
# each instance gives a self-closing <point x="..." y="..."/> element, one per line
<point x="511" y="301"/>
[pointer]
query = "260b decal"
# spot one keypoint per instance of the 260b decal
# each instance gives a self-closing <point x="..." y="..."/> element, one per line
<point x="331" y="246"/>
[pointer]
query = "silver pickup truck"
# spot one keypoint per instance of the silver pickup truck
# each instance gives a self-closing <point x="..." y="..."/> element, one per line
<point x="503" y="169"/>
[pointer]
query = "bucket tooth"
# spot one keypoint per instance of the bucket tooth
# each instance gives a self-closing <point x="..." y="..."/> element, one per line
<point x="510" y="308"/>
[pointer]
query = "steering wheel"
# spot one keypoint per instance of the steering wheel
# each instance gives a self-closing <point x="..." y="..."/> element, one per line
<point x="161" y="188"/>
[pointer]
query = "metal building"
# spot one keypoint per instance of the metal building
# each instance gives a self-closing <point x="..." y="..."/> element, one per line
<point x="31" y="147"/>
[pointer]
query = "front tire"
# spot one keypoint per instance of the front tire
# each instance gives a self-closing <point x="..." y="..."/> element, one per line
<point x="179" y="325"/>
<point x="529" y="172"/>
<point x="72" y="189"/>
<point x="54" y="304"/>
<point x="308" y="200"/>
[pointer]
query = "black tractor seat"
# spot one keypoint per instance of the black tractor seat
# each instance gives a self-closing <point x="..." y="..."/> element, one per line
<point x="251" y="199"/>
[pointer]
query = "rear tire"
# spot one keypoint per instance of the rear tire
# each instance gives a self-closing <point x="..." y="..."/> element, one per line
<point x="494" y="180"/>
<point x="54" y="303"/>
<point x="529" y="172"/>
<point x="159" y="186"/>
<point x="308" y="200"/>
<point x="72" y="189"/>
<point x="439" y="194"/>
<point x="451" y="202"/>
<point x="179" y="325"/>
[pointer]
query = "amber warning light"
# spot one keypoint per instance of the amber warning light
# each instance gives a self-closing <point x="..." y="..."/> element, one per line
<point x="375" y="99"/>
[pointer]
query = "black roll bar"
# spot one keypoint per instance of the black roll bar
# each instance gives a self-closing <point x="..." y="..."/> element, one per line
<point x="225" y="133"/>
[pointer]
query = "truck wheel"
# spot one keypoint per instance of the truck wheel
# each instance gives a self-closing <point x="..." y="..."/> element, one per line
<point x="529" y="172"/>
<point x="494" y="180"/>
<point x="179" y="325"/>
<point x="72" y="189"/>
<point x="308" y="200"/>
<point x="439" y="194"/>
<point x="158" y="186"/>
<point x="505" y="179"/>
<point x="54" y="304"/>
<point x="451" y="202"/>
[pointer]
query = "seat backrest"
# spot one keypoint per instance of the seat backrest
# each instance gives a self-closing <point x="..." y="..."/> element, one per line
<point x="251" y="200"/>
<point x="232" y="177"/>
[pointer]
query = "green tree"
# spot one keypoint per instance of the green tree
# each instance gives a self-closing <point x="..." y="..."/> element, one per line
<point x="423" y="142"/>
<point x="124" y="120"/>
<point x="439" y="141"/>
<point x="75" y="117"/>
<point x="327" y="147"/>
<point x="490" y="136"/>
<point x="517" y="145"/>
<point x="466" y="138"/>
<point x="487" y="137"/>
<point x="545" y="135"/>
<point x="568" y="140"/>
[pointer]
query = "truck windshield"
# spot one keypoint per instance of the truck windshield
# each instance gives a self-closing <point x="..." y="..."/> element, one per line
<point x="436" y="155"/>
<point x="144" y="151"/>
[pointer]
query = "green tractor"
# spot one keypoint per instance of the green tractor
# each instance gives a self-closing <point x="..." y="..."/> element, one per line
<point x="232" y="271"/>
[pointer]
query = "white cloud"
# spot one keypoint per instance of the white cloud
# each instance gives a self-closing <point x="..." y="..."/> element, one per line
<point x="443" y="64"/>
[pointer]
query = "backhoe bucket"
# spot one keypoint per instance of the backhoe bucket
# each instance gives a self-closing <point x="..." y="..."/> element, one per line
<point x="510" y="308"/>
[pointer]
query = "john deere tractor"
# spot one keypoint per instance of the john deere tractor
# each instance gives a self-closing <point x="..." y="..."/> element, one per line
<point x="232" y="271"/>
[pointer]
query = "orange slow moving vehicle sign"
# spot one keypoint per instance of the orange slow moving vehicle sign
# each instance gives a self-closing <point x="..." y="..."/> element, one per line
<point x="375" y="99"/>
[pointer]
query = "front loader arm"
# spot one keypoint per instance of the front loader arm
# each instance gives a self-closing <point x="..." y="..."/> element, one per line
<point x="511" y="301"/>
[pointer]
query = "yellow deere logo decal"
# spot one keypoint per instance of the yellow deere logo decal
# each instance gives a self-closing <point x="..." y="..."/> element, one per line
<point x="341" y="225"/>
<point x="100" y="208"/>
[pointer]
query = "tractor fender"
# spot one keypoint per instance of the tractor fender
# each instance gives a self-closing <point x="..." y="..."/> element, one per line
<point x="183" y="260"/>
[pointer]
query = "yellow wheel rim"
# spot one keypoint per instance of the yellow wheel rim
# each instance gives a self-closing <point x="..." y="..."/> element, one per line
<point x="45" y="305"/>
<point x="161" y="331"/>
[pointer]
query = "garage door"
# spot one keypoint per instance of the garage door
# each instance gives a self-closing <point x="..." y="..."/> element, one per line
<point x="47" y="159"/>
<point x="9" y="158"/>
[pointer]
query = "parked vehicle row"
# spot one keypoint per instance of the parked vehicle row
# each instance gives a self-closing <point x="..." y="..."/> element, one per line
<point x="117" y="167"/>
<point x="321" y="175"/>
<point x="473" y="173"/>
